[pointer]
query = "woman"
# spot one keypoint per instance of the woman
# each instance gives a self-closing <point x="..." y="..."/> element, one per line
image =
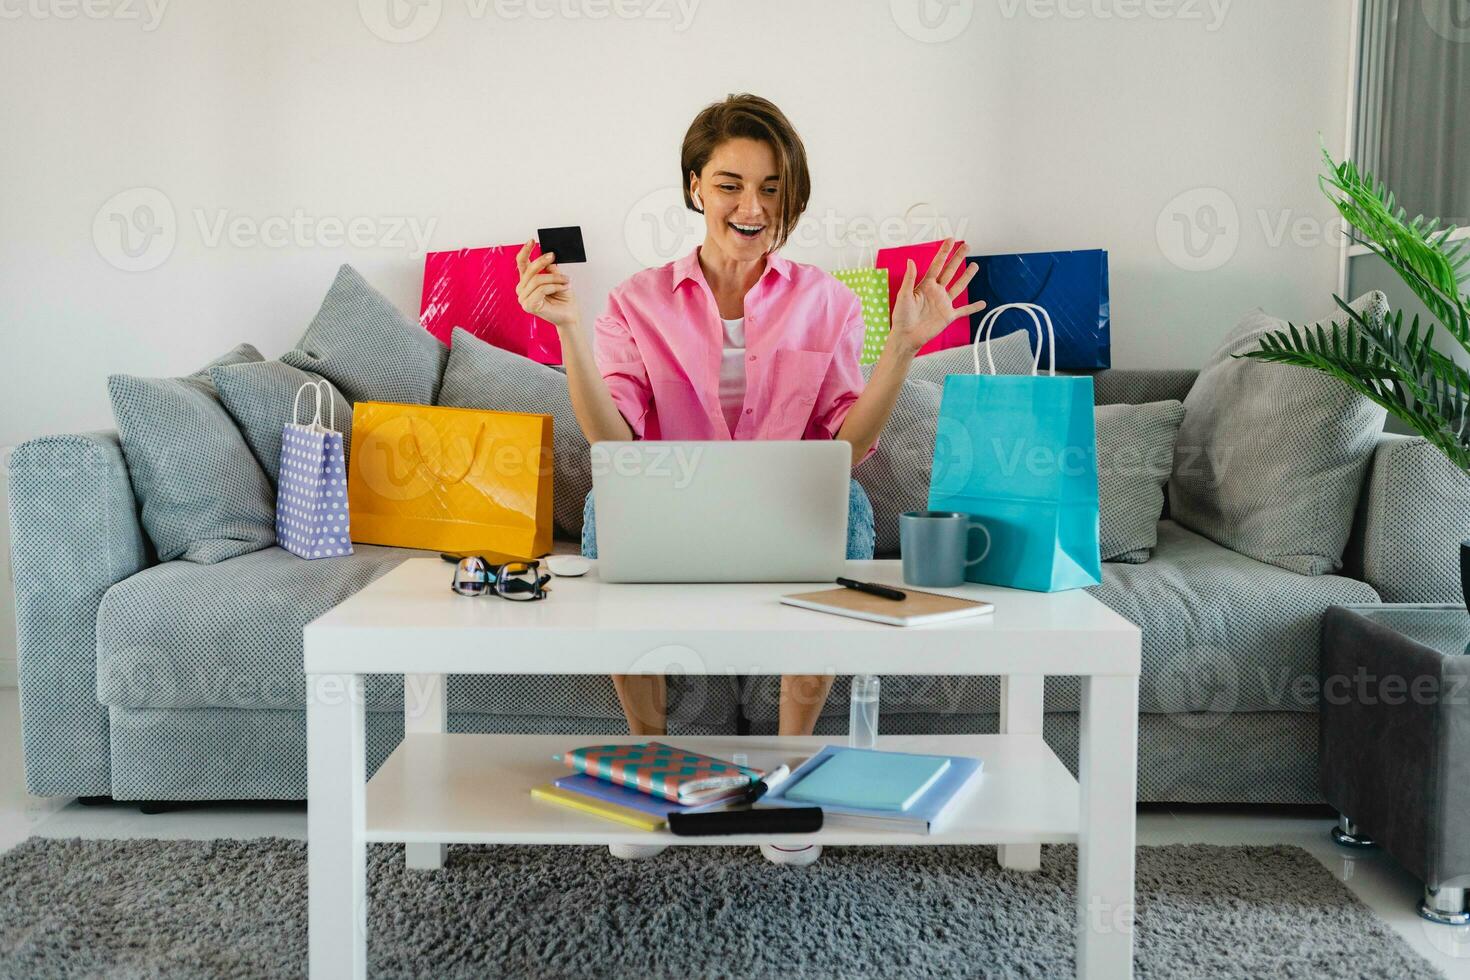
<point x="736" y="342"/>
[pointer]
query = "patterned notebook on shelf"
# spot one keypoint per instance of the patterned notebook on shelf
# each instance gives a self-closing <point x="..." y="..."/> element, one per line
<point x="662" y="770"/>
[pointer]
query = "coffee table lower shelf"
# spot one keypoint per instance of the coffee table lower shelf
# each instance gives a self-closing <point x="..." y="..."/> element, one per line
<point x="476" y="789"/>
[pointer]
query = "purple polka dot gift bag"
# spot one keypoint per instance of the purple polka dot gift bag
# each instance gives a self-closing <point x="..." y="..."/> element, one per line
<point x="311" y="494"/>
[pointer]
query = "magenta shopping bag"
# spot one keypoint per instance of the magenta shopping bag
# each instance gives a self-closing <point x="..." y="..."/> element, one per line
<point x="475" y="288"/>
<point x="895" y="260"/>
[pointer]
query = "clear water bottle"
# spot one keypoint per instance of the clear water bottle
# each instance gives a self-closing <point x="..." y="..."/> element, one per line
<point x="862" y="719"/>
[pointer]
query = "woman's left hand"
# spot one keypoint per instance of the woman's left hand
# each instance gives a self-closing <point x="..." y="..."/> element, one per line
<point x="925" y="306"/>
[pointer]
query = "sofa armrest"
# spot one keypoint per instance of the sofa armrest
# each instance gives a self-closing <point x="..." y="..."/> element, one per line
<point x="1412" y="516"/>
<point x="74" y="533"/>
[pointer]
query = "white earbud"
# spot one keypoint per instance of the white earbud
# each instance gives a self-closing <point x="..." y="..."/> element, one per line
<point x="698" y="202"/>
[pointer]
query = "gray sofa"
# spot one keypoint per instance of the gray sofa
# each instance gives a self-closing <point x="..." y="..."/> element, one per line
<point x="179" y="681"/>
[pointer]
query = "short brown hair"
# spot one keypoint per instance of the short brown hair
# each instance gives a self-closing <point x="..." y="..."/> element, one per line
<point x="751" y="117"/>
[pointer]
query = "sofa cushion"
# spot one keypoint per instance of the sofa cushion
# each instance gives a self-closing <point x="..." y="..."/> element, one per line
<point x="1135" y="452"/>
<point x="481" y="375"/>
<point x="229" y="635"/>
<point x="368" y="348"/>
<point x="1271" y="457"/>
<point x="896" y="476"/>
<point x="202" y="495"/>
<point x="260" y="397"/>
<point x="1139" y="386"/>
<point x="1222" y="633"/>
<point x="1012" y="355"/>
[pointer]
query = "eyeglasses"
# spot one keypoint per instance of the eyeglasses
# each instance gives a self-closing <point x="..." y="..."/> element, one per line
<point x="519" y="581"/>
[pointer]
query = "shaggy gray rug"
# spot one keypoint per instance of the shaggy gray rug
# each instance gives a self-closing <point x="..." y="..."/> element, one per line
<point x="72" y="908"/>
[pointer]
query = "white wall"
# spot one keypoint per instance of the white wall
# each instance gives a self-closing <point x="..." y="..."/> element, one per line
<point x="1040" y="124"/>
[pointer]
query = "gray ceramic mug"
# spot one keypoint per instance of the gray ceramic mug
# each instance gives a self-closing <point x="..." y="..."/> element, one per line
<point x="934" y="546"/>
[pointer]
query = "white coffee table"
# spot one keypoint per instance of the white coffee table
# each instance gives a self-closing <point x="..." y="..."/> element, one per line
<point x="438" y="789"/>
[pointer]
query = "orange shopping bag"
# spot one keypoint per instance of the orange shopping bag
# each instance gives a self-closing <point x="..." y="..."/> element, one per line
<point x="459" y="480"/>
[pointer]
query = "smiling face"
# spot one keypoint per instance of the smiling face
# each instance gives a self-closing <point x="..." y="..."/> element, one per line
<point x="741" y="192"/>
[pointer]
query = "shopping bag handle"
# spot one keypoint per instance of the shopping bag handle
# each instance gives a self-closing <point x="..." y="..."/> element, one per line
<point x="914" y="207"/>
<point x="1031" y="309"/>
<point x="316" y="415"/>
<point x="867" y="253"/>
<point x="448" y="481"/>
<point x="315" y="424"/>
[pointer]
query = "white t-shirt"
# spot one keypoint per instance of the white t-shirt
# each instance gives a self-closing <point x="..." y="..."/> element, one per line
<point x="732" y="372"/>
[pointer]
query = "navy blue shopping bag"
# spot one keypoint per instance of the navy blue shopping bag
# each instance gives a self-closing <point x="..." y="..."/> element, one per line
<point x="1072" y="286"/>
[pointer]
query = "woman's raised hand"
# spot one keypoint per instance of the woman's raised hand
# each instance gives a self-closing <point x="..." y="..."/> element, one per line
<point x="925" y="306"/>
<point x="543" y="291"/>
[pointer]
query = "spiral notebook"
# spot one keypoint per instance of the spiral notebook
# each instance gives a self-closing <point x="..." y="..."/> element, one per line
<point x="662" y="770"/>
<point x="918" y="609"/>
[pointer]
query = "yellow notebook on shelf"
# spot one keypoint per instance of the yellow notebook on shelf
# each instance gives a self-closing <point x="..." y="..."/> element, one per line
<point x="598" y="808"/>
<point x="917" y="609"/>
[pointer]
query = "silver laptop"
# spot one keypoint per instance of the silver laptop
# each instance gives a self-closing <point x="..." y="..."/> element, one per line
<point x="721" y="511"/>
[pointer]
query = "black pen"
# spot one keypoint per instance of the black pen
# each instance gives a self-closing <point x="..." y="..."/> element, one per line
<point x="872" y="588"/>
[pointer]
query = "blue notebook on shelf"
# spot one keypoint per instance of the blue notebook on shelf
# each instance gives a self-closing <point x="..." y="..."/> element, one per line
<point x="870" y="780"/>
<point x="935" y="801"/>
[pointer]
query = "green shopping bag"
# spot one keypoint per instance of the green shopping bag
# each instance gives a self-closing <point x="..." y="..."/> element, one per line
<point x="1019" y="455"/>
<point x="871" y="287"/>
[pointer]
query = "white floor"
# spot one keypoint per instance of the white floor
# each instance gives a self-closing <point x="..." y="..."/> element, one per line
<point x="1390" y="892"/>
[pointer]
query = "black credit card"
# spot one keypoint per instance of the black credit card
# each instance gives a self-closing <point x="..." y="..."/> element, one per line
<point x="565" y="242"/>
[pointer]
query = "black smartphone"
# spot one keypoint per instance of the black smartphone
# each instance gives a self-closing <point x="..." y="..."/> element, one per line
<point x="770" y="820"/>
<point x="565" y="242"/>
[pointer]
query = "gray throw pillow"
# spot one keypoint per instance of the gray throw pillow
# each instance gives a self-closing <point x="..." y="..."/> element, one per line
<point x="481" y="375"/>
<point x="239" y="354"/>
<point x="896" y="476"/>
<point x="1135" y="454"/>
<point x="1012" y="355"/>
<point x="1271" y="457"/>
<point x="260" y="395"/>
<point x="368" y="348"/>
<point x="202" y="495"/>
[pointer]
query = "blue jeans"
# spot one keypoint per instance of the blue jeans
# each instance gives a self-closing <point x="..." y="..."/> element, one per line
<point x="860" y="534"/>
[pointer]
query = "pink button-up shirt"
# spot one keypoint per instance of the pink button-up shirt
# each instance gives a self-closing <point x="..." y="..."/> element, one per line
<point x="660" y="340"/>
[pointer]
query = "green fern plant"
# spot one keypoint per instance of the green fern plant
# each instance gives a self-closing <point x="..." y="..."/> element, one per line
<point x="1398" y="369"/>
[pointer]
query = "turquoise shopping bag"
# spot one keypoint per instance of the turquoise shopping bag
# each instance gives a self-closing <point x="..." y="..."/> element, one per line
<point x="1019" y="455"/>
